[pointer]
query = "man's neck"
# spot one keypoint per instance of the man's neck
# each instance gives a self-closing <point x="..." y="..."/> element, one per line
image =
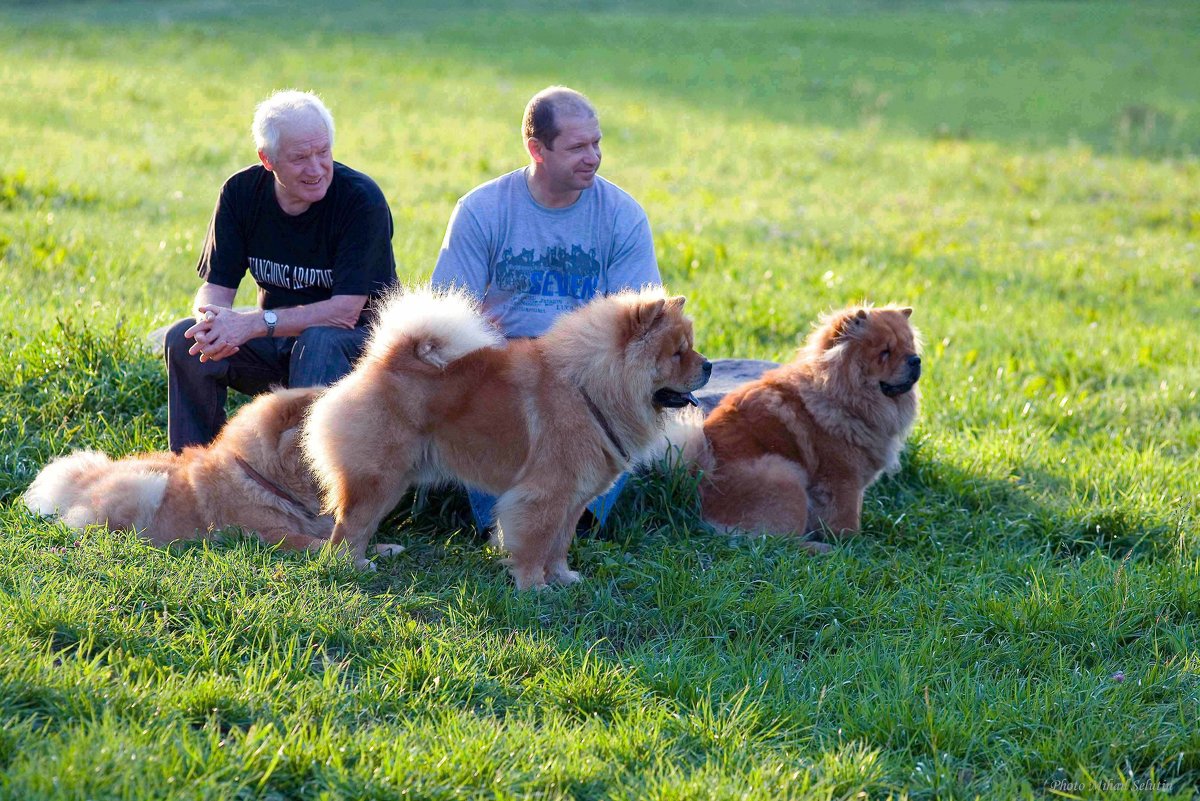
<point x="290" y="206"/>
<point x="544" y="195"/>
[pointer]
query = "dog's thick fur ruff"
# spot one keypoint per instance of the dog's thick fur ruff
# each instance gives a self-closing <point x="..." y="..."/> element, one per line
<point x="440" y="396"/>
<point x="168" y="497"/>
<point x="794" y="451"/>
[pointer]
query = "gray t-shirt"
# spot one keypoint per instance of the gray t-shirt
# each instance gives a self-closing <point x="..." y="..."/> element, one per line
<point x="528" y="264"/>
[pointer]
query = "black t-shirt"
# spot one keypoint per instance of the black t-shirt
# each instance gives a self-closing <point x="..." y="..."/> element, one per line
<point x="341" y="245"/>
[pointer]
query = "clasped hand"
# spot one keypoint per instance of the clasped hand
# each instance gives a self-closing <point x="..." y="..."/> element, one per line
<point x="218" y="333"/>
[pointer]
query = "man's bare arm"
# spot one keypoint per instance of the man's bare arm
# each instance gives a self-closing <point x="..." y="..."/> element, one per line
<point x="220" y="331"/>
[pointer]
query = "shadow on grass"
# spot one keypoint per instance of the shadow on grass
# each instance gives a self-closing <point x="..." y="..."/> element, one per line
<point x="935" y="503"/>
<point x="720" y="639"/>
<point x="718" y="634"/>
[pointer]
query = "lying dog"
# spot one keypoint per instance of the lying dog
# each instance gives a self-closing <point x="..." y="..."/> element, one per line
<point x="794" y="451"/>
<point x="252" y="476"/>
<point x="546" y="424"/>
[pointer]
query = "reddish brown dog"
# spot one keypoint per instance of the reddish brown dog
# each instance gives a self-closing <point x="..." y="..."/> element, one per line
<point x="794" y="451"/>
<point x="252" y="476"/>
<point x="546" y="424"/>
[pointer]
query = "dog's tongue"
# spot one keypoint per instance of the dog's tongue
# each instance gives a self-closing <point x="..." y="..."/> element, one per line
<point x="671" y="399"/>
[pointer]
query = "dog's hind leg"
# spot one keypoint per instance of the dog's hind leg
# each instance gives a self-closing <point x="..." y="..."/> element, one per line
<point x="531" y="521"/>
<point x="838" y="510"/>
<point x="363" y="502"/>
<point x="764" y="496"/>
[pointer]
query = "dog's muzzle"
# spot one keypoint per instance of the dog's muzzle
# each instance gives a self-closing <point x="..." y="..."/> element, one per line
<point x="668" y="398"/>
<point x="914" y="375"/>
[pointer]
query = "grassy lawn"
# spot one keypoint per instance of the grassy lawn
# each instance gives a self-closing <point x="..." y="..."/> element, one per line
<point x="1022" y="615"/>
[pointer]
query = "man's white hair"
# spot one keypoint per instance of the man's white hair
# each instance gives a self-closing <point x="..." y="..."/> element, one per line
<point x="273" y="114"/>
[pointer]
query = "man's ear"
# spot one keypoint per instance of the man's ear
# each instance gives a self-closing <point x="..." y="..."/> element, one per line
<point x="534" y="146"/>
<point x="266" y="160"/>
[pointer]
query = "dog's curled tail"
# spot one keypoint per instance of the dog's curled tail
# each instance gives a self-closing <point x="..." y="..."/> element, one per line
<point x="435" y="327"/>
<point x="683" y="441"/>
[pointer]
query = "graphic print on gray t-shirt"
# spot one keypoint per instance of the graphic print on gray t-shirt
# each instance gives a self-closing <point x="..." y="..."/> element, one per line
<point x="556" y="272"/>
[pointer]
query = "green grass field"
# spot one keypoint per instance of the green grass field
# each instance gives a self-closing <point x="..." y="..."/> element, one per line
<point x="1022" y="615"/>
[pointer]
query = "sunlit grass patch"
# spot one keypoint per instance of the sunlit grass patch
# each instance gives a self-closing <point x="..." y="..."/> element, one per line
<point x="1019" y="616"/>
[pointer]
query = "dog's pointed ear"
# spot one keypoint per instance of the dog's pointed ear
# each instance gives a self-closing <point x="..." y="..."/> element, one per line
<point x="906" y="311"/>
<point x="838" y="326"/>
<point x="849" y="323"/>
<point x="676" y="303"/>
<point x="644" y="315"/>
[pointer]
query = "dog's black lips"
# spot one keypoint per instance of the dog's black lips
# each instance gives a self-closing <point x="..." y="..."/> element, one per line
<point x="670" y="399"/>
<point x="892" y="390"/>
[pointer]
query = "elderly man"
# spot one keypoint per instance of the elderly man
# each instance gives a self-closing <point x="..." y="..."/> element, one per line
<point x="315" y="236"/>
<point x="546" y="238"/>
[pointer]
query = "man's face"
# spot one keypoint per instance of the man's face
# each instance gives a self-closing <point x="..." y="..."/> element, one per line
<point x="303" y="162"/>
<point x="572" y="163"/>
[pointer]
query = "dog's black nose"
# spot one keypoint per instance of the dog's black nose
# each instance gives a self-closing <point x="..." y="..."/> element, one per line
<point x="707" y="367"/>
<point x="914" y="367"/>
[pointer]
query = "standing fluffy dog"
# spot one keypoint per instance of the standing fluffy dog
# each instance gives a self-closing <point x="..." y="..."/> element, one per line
<point x="794" y="451"/>
<point x="546" y="424"/>
<point x="251" y="476"/>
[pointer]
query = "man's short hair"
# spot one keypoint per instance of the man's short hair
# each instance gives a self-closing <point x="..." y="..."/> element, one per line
<point x="550" y="105"/>
<point x="271" y="116"/>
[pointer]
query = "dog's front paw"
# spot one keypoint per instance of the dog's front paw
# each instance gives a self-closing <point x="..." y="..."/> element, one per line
<point x="529" y="578"/>
<point x="387" y="550"/>
<point x="816" y="547"/>
<point x="562" y="576"/>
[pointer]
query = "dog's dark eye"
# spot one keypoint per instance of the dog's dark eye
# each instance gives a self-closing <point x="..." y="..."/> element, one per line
<point x="887" y="354"/>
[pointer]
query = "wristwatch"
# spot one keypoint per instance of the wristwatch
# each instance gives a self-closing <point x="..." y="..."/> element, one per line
<point x="270" y="318"/>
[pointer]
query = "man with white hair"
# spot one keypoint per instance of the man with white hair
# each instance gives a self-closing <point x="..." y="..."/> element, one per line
<point x="315" y="236"/>
<point x="547" y="238"/>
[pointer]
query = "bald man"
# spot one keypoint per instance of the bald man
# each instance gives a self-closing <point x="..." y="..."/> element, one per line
<point x="547" y="238"/>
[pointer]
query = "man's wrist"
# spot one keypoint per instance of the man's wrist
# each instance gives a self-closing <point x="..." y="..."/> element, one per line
<point x="270" y="320"/>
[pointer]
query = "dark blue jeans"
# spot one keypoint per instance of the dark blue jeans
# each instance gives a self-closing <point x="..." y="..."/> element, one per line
<point x="196" y="391"/>
<point x="483" y="505"/>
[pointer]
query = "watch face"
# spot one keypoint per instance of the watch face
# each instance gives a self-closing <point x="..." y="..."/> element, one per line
<point x="270" y="317"/>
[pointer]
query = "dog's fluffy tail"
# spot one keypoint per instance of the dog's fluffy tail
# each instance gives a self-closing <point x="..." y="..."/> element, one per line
<point x="87" y="488"/>
<point x="433" y="327"/>
<point x="683" y="441"/>
<point x="60" y="483"/>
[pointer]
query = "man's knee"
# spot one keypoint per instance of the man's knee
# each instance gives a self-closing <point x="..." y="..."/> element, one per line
<point x="325" y="340"/>
<point x="323" y="354"/>
<point x="175" y="343"/>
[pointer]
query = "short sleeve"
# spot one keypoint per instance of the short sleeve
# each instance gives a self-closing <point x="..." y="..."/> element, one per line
<point x="363" y="259"/>
<point x="633" y="264"/>
<point x="223" y="257"/>
<point x="463" y="259"/>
